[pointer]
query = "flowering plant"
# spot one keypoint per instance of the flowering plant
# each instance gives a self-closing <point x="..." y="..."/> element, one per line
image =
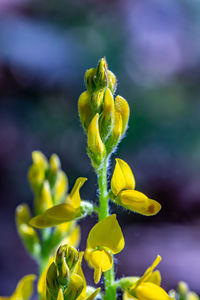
<point x="52" y="234"/>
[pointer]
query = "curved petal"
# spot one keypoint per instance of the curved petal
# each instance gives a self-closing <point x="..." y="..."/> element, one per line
<point x="138" y="202"/>
<point x="100" y="260"/>
<point x="147" y="274"/>
<point x="24" y="288"/>
<point x="63" y="212"/>
<point x="151" y="291"/>
<point x="106" y="233"/>
<point x="155" y="278"/>
<point x="46" y="220"/>
<point x="74" y="196"/>
<point x="123" y="178"/>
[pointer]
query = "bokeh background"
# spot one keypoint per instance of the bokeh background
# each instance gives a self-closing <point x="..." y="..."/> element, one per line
<point x="153" y="47"/>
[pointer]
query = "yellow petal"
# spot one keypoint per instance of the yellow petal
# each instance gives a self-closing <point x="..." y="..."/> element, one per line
<point x="149" y="271"/>
<point x="93" y="295"/>
<point x="106" y="233"/>
<point x="24" y="288"/>
<point x="75" y="194"/>
<point x="138" y="202"/>
<point x="151" y="291"/>
<point x="60" y="187"/>
<point x="84" y="109"/>
<point x="121" y="106"/>
<point x="192" y="296"/>
<point x="101" y="259"/>
<point x="60" y="295"/>
<point x="65" y="212"/>
<point x="45" y="220"/>
<point x="122" y="178"/>
<point x="155" y="278"/>
<point x="78" y="270"/>
<point x="41" y="287"/>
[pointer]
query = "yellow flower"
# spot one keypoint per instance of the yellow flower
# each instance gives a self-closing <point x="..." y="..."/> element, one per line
<point x="124" y="193"/>
<point x="23" y="290"/>
<point x="61" y="213"/>
<point x="104" y="239"/>
<point x="148" y="286"/>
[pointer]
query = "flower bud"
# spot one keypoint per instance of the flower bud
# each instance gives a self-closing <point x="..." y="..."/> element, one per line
<point x="28" y="235"/>
<point x="66" y="260"/>
<point x="97" y="101"/>
<point x="96" y="148"/>
<point x="52" y="283"/>
<point x="74" y="288"/>
<point x="183" y="288"/>
<point x="121" y="106"/>
<point x="39" y="158"/>
<point x="54" y="162"/>
<point x="107" y="117"/>
<point x="44" y="200"/>
<point x="60" y="187"/>
<point x="112" y="82"/>
<point x="85" y="110"/>
<point x="102" y="74"/>
<point x="36" y="175"/>
<point x="90" y="76"/>
<point x="114" y="138"/>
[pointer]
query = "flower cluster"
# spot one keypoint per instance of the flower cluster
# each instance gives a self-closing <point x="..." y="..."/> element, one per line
<point x="53" y="224"/>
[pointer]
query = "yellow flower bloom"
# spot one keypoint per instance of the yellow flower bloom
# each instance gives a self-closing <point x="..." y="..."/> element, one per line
<point x="23" y="290"/>
<point x="124" y="193"/>
<point x="104" y="239"/>
<point x="148" y="286"/>
<point x="61" y="213"/>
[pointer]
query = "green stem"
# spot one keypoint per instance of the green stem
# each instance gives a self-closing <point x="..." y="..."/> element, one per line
<point x="109" y="276"/>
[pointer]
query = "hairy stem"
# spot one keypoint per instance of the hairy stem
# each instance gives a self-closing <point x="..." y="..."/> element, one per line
<point x="109" y="276"/>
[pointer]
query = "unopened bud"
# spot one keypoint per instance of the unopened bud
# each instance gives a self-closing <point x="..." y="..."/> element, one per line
<point x="44" y="200"/>
<point x="121" y="106"/>
<point x="54" y="162"/>
<point x="36" y="175"/>
<point x="107" y="117"/>
<point x="102" y="74"/>
<point x="28" y="235"/>
<point x="114" y="138"/>
<point x="23" y="214"/>
<point x="183" y="288"/>
<point x="85" y="110"/>
<point x="90" y="83"/>
<point x="52" y="282"/>
<point x="66" y="260"/>
<point x="60" y="188"/>
<point x="112" y="82"/>
<point x="97" y="101"/>
<point x="74" y="288"/>
<point x="39" y="158"/>
<point x="96" y="148"/>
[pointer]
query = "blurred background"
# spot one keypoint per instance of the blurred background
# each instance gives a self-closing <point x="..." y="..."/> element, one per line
<point x="153" y="47"/>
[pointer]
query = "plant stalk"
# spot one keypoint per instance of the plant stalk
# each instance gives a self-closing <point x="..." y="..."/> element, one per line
<point x="109" y="276"/>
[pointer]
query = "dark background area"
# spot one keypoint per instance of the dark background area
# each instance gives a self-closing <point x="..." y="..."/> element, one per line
<point x="153" y="47"/>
